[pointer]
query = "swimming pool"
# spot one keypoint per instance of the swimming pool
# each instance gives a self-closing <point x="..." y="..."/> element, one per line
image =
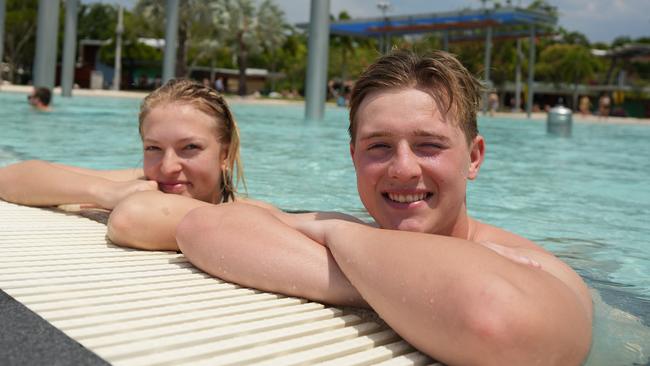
<point x="585" y="198"/>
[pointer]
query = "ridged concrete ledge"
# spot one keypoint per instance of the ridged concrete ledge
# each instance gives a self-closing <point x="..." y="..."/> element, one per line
<point x="132" y="307"/>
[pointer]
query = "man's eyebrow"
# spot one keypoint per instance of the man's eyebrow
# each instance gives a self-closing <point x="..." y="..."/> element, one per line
<point x="373" y="135"/>
<point x="418" y="133"/>
<point x="424" y="133"/>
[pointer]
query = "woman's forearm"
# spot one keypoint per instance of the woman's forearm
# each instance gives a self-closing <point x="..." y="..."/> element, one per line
<point x="39" y="183"/>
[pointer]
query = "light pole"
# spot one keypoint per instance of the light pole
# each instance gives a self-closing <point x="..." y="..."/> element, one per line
<point x="117" y="76"/>
<point x="384" y="40"/>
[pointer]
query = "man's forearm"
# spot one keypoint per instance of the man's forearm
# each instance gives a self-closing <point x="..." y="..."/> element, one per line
<point x="460" y="302"/>
<point x="250" y="246"/>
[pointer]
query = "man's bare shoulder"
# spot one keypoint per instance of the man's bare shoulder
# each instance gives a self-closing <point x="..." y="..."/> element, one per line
<point x="489" y="233"/>
<point x="549" y="262"/>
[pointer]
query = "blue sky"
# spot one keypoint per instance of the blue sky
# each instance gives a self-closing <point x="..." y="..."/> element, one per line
<point x="599" y="20"/>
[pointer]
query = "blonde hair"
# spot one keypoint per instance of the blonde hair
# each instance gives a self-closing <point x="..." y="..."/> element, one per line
<point x="438" y="73"/>
<point x="208" y="101"/>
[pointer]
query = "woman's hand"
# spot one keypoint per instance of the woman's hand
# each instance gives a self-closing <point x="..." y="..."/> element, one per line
<point x="109" y="195"/>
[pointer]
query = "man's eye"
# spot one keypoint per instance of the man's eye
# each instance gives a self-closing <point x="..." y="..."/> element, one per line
<point x="430" y="145"/>
<point x="378" y="146"/>
<point x="151" y="148"/>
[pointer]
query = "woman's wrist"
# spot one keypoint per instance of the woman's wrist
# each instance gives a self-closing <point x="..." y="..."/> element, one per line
<point x="100" y="193"/>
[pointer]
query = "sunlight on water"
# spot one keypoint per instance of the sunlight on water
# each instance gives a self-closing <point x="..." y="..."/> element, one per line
<point x="585" y="198"/>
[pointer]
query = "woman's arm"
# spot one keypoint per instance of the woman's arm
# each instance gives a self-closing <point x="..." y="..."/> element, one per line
<point x="39" y="183"/>
<point x="460" y="302"/>
<point x="148" y="220"/>
<point x="255" y="247"/>
<point x="119" y="175"/>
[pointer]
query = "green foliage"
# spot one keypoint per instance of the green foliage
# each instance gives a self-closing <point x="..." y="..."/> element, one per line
<point x="20" y="35"/>
<point x="576" y="38"/>
<point x="292" y="62"/>
<point x="566" y="63"/>
<point x="249" y="31"/>
<point x="96" y="21"/>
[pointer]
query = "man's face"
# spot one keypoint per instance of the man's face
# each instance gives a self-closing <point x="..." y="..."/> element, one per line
<point x="412" y="163"/>
<point x="32" y="100"/>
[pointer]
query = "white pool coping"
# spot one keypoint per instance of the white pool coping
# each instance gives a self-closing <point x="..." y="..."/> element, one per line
<point x="133" y="307"/>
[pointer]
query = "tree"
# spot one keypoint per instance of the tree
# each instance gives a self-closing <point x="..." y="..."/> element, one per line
<point x="275" y="34"/>
<point x="195" y="25"/>
<point x="342" y="47"/>
<point x="292" y="61"/>
<point x="97" y="21"/>
<point x="567" y="63"/>
<point x="249" y="30"/>
<point x="20" y="36"/>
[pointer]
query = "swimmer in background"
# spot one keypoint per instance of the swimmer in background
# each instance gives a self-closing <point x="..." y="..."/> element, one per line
<point x="40" y="99"/>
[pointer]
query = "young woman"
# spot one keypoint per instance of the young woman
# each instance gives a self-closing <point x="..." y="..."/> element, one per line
<point x="191" y="150"/>
<point x="191" y="155"/>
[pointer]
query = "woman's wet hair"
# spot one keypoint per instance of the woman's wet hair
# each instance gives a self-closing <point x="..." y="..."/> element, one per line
<point x="456" y="91"/>
<point x="210" y="102"/>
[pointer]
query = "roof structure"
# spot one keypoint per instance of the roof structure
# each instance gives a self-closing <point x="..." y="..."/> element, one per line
<point x="457" y="21"/>
<point x="628" y="51"/>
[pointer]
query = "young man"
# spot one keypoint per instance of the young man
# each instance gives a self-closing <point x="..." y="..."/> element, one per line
<point x="40" y="99"/>
<point x="462" y="291"/>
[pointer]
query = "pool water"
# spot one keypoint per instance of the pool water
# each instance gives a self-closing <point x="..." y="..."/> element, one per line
<point x="585" y="198"/>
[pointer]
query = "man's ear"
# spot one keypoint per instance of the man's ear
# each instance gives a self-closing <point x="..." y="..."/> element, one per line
<point x="352" y="150"/>
<point x="476" y="156"/>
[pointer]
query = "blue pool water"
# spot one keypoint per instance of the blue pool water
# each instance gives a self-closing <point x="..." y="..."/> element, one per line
<point x="585" y="198"/>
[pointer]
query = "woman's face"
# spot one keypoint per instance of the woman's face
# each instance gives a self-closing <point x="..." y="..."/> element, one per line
<point x="183" y="152"/>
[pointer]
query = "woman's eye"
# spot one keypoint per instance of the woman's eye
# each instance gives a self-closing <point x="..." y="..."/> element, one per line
<point x="192" y="147"/>
<point x="151" y="148"/>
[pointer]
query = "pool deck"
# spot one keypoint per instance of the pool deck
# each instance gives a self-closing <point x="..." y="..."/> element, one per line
<point x="70" y="296"/>
<point x="537" y="116"/>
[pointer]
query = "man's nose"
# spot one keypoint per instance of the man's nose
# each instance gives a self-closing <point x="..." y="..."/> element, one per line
<point x="404" y="165"/>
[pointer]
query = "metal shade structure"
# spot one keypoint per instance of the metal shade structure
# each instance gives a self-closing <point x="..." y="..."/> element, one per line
<point x="463" y="20"/>
<point x="456" y="26"/>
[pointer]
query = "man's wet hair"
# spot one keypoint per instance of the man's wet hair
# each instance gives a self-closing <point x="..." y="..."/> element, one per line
<point x="455" y="90"/>
<point x="43" y="94"/>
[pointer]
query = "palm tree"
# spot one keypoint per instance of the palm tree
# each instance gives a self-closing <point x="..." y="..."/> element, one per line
<point x="249" y="30"/>
<point x="195" y="25"/>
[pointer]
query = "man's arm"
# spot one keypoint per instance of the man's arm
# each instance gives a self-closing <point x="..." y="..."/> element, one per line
<point x="39" y="183"/>
<point x="256" y="247"/>
<point x="460" y="302"/>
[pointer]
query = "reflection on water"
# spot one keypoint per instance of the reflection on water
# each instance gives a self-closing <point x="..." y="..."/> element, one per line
<point x="587" y="198"/>
<point x="620" y="338"/>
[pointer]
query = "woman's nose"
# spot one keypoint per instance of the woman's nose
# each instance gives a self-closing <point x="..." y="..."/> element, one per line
<point x="170" y="163"/>
<point x="404" y="165"/>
